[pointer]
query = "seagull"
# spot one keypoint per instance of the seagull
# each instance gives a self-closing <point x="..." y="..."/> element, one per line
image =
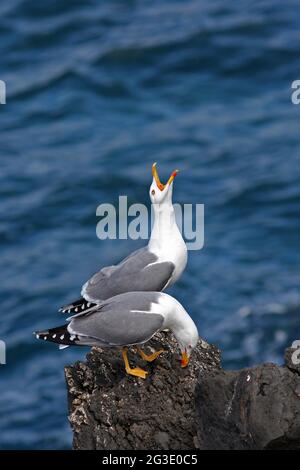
<point x="151" y="268"/>
<point x="129" y="319"/>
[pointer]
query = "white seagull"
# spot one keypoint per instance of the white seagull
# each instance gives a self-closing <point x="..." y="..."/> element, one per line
<point x="128" y="319"/>
<point x="152" y="268"/>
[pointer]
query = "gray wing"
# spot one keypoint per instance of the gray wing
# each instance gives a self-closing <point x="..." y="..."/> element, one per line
<point x="140" y="271"/>
<point x="123" y="320"/>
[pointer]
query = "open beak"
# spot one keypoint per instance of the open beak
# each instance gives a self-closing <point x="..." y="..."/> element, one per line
<point x="184" y="359"/>
<point x="159" y="184"/>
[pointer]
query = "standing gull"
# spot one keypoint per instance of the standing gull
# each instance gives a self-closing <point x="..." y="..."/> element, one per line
<point x="129" y="319"/>
<point x="152" y="268"/>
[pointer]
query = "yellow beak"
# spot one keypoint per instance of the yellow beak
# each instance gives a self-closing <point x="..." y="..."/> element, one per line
<point x="159" y="184"/>
<point x="175" y="172"/>
<point x="184" y="359"/>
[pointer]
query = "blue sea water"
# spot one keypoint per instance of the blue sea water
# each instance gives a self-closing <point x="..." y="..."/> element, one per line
<point x="97" y="91"/>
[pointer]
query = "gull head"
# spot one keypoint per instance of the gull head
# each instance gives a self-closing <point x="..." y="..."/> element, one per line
<point x="186" y="334"/>
<point x="160" y="192"/>
<point x="187" y="348"/>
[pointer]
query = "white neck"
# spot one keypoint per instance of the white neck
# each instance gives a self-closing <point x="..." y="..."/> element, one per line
<point x="164" y="224"/>
<point x="166" y="241"/>
<point x="178" y="321"/>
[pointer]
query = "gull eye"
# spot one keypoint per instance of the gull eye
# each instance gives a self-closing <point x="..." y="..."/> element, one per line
<point x="153" y="192"/>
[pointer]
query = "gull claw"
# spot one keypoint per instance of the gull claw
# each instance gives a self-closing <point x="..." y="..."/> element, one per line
<point x="150" y="357"/>
<point x="137" y="372"/>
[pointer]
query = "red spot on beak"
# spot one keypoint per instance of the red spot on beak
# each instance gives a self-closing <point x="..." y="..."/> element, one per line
<point x="184" y="359"/>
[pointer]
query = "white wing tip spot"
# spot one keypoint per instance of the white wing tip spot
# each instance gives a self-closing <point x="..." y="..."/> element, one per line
<point x="54" y="336"/>
<point x="62" y="337"/>
<point x="248" y="378"/>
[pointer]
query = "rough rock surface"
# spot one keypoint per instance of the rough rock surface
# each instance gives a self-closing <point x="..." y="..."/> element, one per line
<point x="255" y="408"/>
<point x="201" y="406"/>
<point x="111" y="410"/>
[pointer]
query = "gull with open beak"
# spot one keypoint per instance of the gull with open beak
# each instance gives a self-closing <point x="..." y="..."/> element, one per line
<point x="152" y="268"/>
<point x="129" y="319"/>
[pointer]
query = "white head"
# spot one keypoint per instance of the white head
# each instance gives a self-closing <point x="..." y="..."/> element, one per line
<point x="187" y="339"/>
<point x="159" y="192"/>
<point x="182" y="326"/>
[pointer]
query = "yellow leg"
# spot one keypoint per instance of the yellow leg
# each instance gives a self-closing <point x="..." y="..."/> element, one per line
<point x="151" y="357"/>
<point x="136" y="371"/>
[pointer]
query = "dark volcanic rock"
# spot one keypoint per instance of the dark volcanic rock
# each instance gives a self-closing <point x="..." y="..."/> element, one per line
<point x="201" y="406"/>
<point x="255" y="408"/>
<point x="112" y="410"/>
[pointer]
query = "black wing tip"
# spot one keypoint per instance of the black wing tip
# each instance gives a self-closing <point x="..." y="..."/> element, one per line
<point x="59" y="335"/>
<point x="80" y="305"/>
<point x="66" y="309"/>
<point x="41" y="334"/>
